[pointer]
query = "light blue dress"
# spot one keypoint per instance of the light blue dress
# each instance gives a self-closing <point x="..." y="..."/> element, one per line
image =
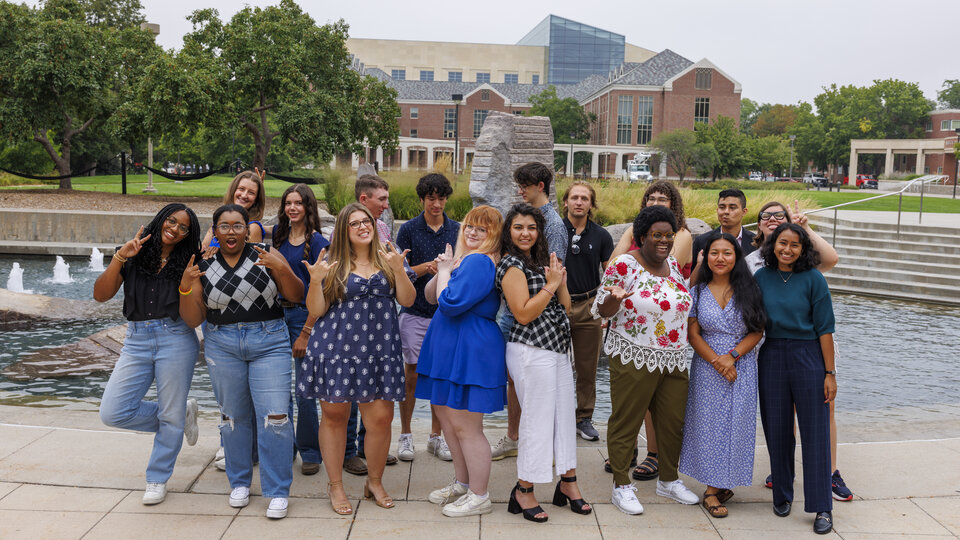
<point x="720" y="432"/>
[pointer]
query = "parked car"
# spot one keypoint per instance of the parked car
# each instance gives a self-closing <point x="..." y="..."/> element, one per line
<point x="866" y="181"/>
<point x="816" y="179"/>
<point x="756" y="176"/>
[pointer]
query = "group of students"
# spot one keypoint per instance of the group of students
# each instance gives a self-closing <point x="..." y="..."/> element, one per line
<point x="492" y="310"/>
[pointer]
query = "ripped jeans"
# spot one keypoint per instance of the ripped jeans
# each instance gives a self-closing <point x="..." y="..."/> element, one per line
<point x="249" y="365"/>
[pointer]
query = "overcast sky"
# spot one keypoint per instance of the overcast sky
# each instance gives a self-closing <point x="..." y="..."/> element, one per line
<point x="781" y="52"/>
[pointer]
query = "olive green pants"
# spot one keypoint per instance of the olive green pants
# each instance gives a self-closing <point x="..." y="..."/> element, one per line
<point x="632" y="392"/>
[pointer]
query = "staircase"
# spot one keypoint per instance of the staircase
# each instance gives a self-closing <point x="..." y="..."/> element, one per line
<point x="923" y="264"/>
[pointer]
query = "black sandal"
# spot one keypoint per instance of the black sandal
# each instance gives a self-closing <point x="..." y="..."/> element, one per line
<point x="609" y="469"/>
<point x="560" y="498"/>
<point x="529" y="514"/>
<point x="648" y="469"/>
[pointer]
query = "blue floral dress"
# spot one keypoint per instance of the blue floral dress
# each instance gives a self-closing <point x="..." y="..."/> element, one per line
<point x="720" y="433"/>
<point x="354" y="352"/>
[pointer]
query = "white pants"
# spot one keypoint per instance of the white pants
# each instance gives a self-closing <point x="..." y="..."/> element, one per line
<point x="548" y="401"/>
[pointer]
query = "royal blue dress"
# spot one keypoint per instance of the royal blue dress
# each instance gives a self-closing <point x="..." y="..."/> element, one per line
<point x="462" y="363"/>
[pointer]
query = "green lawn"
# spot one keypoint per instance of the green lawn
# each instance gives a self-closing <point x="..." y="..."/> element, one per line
<point x="911" y="203"/>
<point x="211" y="186"/>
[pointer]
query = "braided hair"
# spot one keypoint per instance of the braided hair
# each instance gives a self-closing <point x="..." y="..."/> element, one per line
<point x="149" y="258"/>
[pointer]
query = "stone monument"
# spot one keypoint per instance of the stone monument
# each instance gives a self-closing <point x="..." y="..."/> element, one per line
<point x="506" y="142"/>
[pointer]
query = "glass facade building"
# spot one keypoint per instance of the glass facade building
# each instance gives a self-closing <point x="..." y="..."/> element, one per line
<point x="576" y="50"/>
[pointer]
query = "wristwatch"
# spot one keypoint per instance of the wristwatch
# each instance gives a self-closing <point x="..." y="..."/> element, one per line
<point x="830" y="372"/>
<point x="734" y="354"/>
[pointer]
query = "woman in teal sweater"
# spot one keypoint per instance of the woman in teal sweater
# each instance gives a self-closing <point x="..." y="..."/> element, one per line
<point x="796" y="370"/>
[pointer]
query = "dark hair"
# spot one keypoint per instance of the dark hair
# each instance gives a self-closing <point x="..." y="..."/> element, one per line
<point x="369" y="183"/>
<point x="746" y="292"/>
<point x="230" y="208"/>
<point x="532" y="174"/>
<point x="311" y="217"/>
<point x="148" y="260"/>
<point x="733" y="193"/>
<point x="676" y="200"/>
<point x="593" y="197"/>
<point x="433" y="184"/>
<point x="540" y="252"/>
<point x="758" y="238"/>
<point x="809" y="257"/>
<point x="647" y="217"/>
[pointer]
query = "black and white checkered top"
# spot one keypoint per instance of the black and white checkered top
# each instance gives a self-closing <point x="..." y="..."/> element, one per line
<point x="244" y="293"/>
<point x="549" y="331"/>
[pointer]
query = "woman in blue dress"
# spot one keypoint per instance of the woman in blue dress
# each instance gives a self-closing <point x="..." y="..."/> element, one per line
<point x="354" y="353"/>
<point x="726" y="324"/>
<point x="462" y="369"/>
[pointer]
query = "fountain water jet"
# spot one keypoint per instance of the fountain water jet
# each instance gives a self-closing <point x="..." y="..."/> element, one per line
<point x="15" y="281"/>
<point x="96" y="261"/>
<point x="61" y="272"/>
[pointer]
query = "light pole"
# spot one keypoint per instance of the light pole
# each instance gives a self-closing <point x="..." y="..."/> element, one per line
<point x="792" y="138"/>
<point x="572" y="170"/>
<point x="155" y="30"/>
<point x="457" y="98"/>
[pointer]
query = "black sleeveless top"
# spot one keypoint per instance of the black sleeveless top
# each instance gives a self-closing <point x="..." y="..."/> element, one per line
<point x="244" y="293"/>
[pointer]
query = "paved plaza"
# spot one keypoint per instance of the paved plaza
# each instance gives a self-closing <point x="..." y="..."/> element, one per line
<point x="64" y="475"/>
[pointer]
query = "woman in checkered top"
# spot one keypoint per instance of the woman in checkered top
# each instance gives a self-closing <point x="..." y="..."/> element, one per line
<point x="533" y="283"/>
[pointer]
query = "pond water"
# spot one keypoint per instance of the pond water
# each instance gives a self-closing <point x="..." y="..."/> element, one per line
<point x="892" y="354"/>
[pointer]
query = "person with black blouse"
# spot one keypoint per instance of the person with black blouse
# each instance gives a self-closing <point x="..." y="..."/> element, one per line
<point x="159" y="345"/>
<point x="248" y="353"/>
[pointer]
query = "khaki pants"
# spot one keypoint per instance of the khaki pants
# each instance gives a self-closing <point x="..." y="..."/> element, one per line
<point x="632" y="391"/>
<point x="587" y="336"/>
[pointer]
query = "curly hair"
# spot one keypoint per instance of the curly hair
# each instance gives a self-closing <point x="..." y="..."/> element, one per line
<point x="676" y="200"/>
<point x="749" y="299"/>
<point x="149" y="258"/>
<point x="539" y="255"/>
<point x="433" y="184"/>
<point x="259" y="203"/>
<point x="647" y="217"/>
<point x="809" y="257"/>
<point x="311" y="217"/>
<point x="758" y="238"/>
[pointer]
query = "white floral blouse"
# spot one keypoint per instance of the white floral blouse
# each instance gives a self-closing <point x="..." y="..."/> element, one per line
<point x="650" y="329"/>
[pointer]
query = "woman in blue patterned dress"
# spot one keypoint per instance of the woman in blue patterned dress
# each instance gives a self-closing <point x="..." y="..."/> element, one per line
<point x="726" y="323"/>
<point x="354" y="354"/>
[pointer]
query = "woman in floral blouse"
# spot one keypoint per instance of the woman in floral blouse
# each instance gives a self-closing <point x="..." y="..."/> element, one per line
<point x="644" y="296"/>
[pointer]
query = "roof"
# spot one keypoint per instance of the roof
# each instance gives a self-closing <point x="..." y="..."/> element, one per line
<point x="653" y="72"/>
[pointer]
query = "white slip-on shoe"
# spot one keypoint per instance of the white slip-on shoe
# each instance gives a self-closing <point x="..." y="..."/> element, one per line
<point x="155" y="493"/>
<point x="190" y="428"/>
<point x="448" y="493"/>
<point x="240" y="497"/>
<point x="405" y="450"/>
<point x="277" y="508"/>
<point x="506" y="447"/>
<point x="677" y="491"/>
<point x="469" y="504"/>
<point x="625" y="499"/>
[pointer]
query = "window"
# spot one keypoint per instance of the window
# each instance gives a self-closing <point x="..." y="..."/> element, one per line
<point x="398" y="74"/>
<point x="701" y="110"/>
<point x="624" y="119"/>
<point x="511" y="78"/>
<point x="479" y="115"/>
<point x="413" y="133"/>
<point x="426" y="75"/>
<point x="928" y="126"/>
<point x="535" y="79"/>
<point x="483" y="77"/>
<point x="945" y="125"/>
<point x="414" y="113"/>
<point x="644" y="119"/>
<point x="455" y="76"/>
<point x="704" y="78"/>
<point x="517" y="113"/>
<point x="484" y="95"/>
<point x="449" y="123"/>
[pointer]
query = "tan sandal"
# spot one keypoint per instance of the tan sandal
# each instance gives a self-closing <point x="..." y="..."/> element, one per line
<point x="344" y="508"/>
<point x="385" y="502"/>
<point x="715" y="510"/>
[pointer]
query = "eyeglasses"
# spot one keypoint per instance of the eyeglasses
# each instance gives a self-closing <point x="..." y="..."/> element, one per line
<point x="364" y="223"/>
<point x="659" y="200"/>
<point x="474" y="228"/>
<point x="574" y="248"/>
<point x="775" y="215"/>
<point x="184" y="230"/>
<point x="658" y="236"/>
<point x="238" y="228"/>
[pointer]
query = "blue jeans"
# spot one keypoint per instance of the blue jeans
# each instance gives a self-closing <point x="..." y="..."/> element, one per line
<point x="308" y="424"/>
<point x="166" y="351"/>
<point x="249" y="366"/>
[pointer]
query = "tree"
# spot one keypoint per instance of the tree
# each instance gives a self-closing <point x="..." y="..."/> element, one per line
<point x="769" y="154"/>
<point x="749" y="111"/>
<point x="64" y="77"/>
<point x="567" y="118"/>
<point x="273" y="73"/>
<point x="949" y="95"/>
<point x="777" y="120"/>
<point x="682" y="152"/>
<point x="729" y="157"/>
<point x="811" y="136"/>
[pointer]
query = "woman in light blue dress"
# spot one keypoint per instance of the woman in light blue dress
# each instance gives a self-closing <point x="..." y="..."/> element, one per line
<point x="726" y="324"/>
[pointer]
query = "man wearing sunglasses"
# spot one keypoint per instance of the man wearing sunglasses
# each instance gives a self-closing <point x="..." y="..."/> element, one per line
<point x="731" y="207"/>
<point x="590" y="247"/>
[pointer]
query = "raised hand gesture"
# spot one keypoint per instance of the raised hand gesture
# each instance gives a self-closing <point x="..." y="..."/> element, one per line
<point x="191" y="275"/>
<point x="134" y="245"/>
<point x="269" y="259"/>
<point x="799" y="217"/>
<point x="320" y="269"/>
<point x="445" y="262"/>
<point x="393" y="258"/>
<point x="556" y="274"/>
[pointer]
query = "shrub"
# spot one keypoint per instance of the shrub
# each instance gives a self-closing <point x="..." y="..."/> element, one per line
<point x="746" y="184"/>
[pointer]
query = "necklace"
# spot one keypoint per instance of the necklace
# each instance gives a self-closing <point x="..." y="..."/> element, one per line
<point x="781" y="276"/>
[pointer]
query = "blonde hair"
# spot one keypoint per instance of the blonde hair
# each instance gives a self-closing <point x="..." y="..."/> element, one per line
<point x="341" y="251"/>
<point x="259" y="203"/>
<point x="490" y="219"/>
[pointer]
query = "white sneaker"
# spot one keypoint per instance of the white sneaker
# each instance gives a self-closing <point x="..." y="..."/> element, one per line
<point x="469" y="504"/>
<point x="277" y="508"/>
<point x="155" y="493"/>
<point x="677" y="491"/>
<point x="506" y="447"/>
<point x="625" y="498"/>
<point x="220" y="460"/>
<point x="438" y="447"/>
<point x="405" y="447"/>
<point x="240" y="497"/>
<point x="190" y="428"/>
<point x="448" y="494"/>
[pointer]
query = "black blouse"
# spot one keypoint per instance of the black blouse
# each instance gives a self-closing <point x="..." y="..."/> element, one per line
<point x="148" y="296"/>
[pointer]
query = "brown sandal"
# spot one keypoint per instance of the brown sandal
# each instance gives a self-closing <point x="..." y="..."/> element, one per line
<point x="724" y="495"/>
<point x="385" y="502"/>
<point x="715" y="510"/>
<point x="344" y="508"/>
